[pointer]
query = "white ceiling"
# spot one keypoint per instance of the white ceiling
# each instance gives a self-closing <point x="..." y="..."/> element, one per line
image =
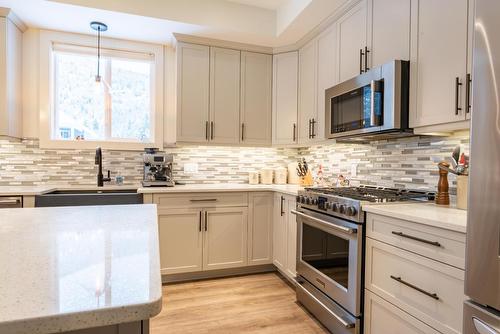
<point x="271" y="23"/>
<point x="268" y="4"/>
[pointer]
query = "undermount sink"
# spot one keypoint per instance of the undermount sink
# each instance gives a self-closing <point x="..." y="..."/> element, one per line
<point x="88" y="197"/>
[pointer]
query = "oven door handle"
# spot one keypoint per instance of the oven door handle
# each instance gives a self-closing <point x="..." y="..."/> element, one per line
<point x="333" y="314"/>
<point x="336" y="227"/>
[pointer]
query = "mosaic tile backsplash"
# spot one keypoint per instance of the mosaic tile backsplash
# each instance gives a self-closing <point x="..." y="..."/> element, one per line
<point x="407" y="162"/>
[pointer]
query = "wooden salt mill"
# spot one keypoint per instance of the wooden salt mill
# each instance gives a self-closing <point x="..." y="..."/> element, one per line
<point x="443" y="196"/>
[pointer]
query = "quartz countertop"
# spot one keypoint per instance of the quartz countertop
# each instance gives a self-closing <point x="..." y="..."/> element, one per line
<point x="447" y="217"/>
<point x="69" y="268"/>
<point x="24" y="190"/>
<point x="290" y="189"/>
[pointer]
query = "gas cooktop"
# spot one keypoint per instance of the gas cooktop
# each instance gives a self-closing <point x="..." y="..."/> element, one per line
<point x="346" y="202"/>
<point x="374" y="194"/>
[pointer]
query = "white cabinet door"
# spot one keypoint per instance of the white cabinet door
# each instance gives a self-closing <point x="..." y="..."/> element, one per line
<point x="381" y="317"/>
<point x="193" y="72"/>
<point x="307" y="90"/>
<point x="439" y="57"/>
<point x="351" y="32"/>
<point x="260" y="228"/>
<point x="291" y="253"/>
<point x="10" y="79"/>
<point x="389" y="31"/>
<point x="256" y="98"/>
<point x="224" y="95"/>
<point x="285" y="76"/>
<point x="279" y="232"/>
<point x="327" y="55"/>
<point x="180" y="237"/>
<point x="225" y="238"/>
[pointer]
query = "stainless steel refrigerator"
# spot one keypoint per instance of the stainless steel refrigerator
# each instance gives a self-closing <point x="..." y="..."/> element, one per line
<point x="482" y="270"/>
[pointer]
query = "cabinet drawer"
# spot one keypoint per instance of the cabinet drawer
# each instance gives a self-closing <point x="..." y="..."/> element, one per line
<point x="381" y="317"/>
<point x="199" y="200"/>
<point x="438" y="244"/>
<point x="426" y="289"/>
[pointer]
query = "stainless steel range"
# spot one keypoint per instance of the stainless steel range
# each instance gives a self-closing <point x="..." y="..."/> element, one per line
<point x="330" y="235"/>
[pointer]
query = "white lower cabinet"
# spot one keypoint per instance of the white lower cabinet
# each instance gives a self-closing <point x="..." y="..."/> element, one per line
<point x="408" y="277"/>
<point x="213" y="231"/>
<point x="285" y="235"/>
<point x="180" y="234"/>
<point x="260" y="228"/>
<point x="381" y="317"/>
<point x="225" y="238"/>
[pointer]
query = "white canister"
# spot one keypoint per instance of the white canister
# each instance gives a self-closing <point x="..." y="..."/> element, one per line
<point x="266" y="176"/>
<point x="280" y="175"/>
<point x="293" y="178"/>
<point x="253" y="177"/>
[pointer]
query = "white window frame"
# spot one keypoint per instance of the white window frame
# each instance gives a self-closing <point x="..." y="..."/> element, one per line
<point x="50" y="40"/>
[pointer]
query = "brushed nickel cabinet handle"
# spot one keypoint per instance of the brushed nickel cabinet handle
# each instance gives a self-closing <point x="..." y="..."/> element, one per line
<point x="401" y="234"/>
<point x="361" y="54"/>
<point x="414" y="287"/>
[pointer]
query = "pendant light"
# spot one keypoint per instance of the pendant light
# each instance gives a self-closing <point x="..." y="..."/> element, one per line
<point x="99" y="27"/>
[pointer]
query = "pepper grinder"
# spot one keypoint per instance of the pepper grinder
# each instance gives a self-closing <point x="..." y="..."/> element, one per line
<point x="443" y="196"/>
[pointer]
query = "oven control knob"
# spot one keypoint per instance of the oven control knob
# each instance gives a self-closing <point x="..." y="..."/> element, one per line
<point x="302" y="199"/>
<point x="328" y="205"/>
<point x="335" y="207"/>
<point x="314" y="201"/>
<point x="342" y="208"/>
<point x="351" y="211"/>
<point x="307" y="200"/>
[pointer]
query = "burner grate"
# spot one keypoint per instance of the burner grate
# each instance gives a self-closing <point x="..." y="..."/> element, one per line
<point x="374" y="194"/>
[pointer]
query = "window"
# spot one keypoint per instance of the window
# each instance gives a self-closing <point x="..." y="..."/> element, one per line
<point x="118" y="109"/>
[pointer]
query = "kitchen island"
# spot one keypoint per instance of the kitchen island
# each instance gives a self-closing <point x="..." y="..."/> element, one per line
<point x="84" y="270"/>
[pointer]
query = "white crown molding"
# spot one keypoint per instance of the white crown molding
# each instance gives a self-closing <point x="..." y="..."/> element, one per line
<point x="221" y="43"/>
<point x="9" y="14"/>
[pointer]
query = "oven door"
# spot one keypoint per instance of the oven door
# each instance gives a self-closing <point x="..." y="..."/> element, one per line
<point x="329" y="256"/>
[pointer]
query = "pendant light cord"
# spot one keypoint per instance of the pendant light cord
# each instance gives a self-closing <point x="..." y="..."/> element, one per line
<point x="98" y="52"/>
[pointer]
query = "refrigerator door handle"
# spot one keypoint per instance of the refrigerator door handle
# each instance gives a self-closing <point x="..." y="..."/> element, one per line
<point x="483" y="328"/>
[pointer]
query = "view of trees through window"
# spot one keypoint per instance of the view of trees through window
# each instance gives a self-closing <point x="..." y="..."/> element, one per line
<point x="117" y="109"/>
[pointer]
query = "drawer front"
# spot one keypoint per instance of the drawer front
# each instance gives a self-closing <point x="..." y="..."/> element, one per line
<point x="381" y="317"/>
<point x="200" y="200"/>
<point x="438" y="244"/>
<point x="429" y="290"/>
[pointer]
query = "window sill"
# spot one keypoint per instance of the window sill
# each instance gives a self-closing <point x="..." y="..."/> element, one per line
<point x="90" y="144"/>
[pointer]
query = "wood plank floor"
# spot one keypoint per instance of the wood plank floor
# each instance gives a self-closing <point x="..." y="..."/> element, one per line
<point x="262" y="303"/>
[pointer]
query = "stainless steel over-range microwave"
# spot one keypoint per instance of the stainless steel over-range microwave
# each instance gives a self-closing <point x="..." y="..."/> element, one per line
<point x="373" y="103"/>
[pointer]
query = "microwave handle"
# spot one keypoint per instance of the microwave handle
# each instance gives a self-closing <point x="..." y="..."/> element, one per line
<point x="374" y="87"/>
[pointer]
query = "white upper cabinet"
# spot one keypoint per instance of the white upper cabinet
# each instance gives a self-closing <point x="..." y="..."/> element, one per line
<point x="388" y="31"/>
<point x="10" y="78"/>
<point x="193" y="73"/>
<point x="285" y="85"/>
<point x="308" y="71"/>
<point x="224" y="95"/>
<point x="326" y="76"/>
<point x="256" y="98"/>
<point x="439" y="61"/>
<point x="351" y="42"/>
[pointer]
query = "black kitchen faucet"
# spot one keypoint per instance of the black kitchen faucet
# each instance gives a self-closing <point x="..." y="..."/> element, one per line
<point x="98" y="161"/>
